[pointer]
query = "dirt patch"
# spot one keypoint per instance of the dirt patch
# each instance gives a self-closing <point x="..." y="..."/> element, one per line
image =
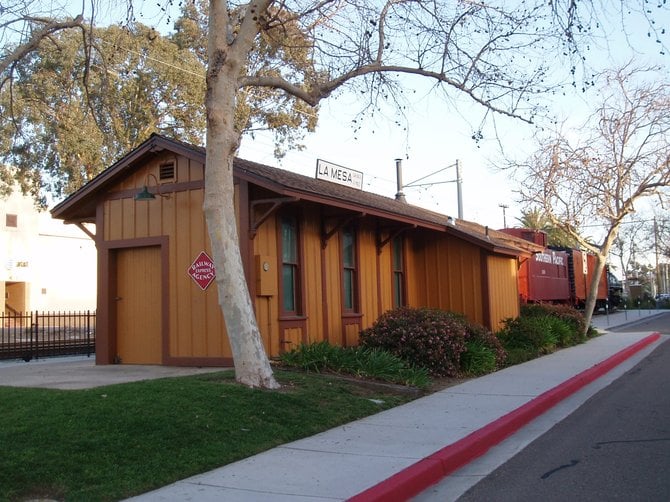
<point x="438" y="384"/>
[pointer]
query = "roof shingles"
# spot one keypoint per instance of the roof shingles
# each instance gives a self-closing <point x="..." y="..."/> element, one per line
<point x="80" y="203"/>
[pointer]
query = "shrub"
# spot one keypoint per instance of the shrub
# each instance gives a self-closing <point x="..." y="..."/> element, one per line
<point x="478" y="359"/>
<point x="518" y="356"/>
<point x="425" y="337"/>
<point x="569" y="315"/>
<point x="481" y="338"/>
<point x="532" y="334"/>
<point x="314" y="357"/>
<point x="565" y="334"/>
<point x="359" y="361"/>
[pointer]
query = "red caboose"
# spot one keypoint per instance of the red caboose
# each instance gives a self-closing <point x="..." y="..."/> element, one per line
<point x="581" y="266"/>
<point x="544" y="277"/>
<point x="556" y="275"/>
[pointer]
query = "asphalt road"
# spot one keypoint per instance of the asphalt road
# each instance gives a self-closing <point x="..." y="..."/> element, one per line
<point x="659" y="323"/>
<point x="614" y="447"/>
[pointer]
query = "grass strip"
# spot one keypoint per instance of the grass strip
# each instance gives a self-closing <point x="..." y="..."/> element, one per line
<point x="113" y="442"/>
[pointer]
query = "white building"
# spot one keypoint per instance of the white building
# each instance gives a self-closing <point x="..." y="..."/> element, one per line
<point x="45" y="265"/>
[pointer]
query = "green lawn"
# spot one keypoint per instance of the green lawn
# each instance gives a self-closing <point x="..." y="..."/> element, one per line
<point x="113" y="442"/>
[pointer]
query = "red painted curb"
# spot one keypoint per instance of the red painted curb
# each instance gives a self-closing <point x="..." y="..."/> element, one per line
<point x="419" y="476"/>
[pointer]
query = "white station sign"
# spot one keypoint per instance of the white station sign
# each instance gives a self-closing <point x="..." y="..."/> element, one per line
<point x="328" y="171"/>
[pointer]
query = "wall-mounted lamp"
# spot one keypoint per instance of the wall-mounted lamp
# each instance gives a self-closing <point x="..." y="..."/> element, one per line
<point x="145" y="194"/>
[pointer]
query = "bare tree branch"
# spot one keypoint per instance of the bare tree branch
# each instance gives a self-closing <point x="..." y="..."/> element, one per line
<point x="49" y="27"/>
<point x="597" y="174"/>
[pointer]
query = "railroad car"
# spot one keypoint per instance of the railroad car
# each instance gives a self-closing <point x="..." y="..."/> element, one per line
<point x="557" y="275"/>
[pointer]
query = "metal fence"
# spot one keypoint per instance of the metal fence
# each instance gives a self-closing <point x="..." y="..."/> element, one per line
<point x="42" y="334"/>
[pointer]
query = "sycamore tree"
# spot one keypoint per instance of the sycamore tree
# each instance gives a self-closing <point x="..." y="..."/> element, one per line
<point x="501" y="57"/>
<point x="634" y="240"/>
<point x="594" y="176"/>
<point x="76" y="104"/>
<point x="80" y="99"/>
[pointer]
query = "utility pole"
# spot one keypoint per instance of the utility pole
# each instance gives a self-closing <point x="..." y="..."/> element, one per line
<point x="656" y="271"/>
<point x="459" y="183"/>
<point x="459" y="189"/>
<point x="504" y="207"/>
<point x="398" y="172"/>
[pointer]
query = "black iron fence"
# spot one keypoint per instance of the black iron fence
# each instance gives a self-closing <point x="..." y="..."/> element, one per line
<point x="31" y="335"/>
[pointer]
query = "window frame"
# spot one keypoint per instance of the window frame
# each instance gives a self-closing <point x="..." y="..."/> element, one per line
<point x="351" y="270"/>
<point x="296" y="266"/>
<point x="399" y="296"/>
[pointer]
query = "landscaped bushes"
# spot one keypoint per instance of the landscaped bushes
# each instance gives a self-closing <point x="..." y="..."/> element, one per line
<point x="359" y="361"/>
<point x="571" y="317"/>
<point x="443" y="342"/>
<point x="483" y="351"/>
<point x="405" y="344"/>
<point x="424" y="337"/>
<point x="540" y="330"/>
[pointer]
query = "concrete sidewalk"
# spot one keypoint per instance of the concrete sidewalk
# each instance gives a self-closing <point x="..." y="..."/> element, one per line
<point x="81" y="372"/>
<point x="398" y="453"/>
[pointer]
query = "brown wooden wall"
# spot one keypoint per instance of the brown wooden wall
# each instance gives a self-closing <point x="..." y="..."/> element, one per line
<point x="503" y="289"/>
<point x="446" y="273"/>
<point x="441" y="271"/>
<point x="323" y="319"/>
<point x="195" y="328"/>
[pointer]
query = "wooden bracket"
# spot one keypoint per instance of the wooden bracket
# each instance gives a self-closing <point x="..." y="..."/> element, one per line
<point x="341" y="223"/>
<point x="392" y="235"/>
<point x="276" y="203"/>
<point x="81" y="227"/>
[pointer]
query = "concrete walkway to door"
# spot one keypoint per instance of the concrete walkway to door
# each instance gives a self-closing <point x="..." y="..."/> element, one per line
<point x="82" y="373"/>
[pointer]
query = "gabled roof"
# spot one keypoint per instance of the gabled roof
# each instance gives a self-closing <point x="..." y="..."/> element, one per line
<point x="81" y="205"/>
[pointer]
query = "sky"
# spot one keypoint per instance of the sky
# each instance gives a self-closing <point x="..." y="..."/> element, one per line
<point x="437" y="135"/>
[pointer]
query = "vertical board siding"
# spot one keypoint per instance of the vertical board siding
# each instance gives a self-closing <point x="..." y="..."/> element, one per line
<point x="196" y="323"/>
<point x="351" y="332"/>
<point x="267" y="307"/>
<point x="441" y="271"/>
<point x="503" y="289"/>
<point x="333" y="280"/>
<point x="312" y="288"/>
<point x="385" y="287"/>
<point x="292" y="338"/>
<point x="368" y="279"/>
<point x="445" y="272"/>
<point x="139" y="305"/>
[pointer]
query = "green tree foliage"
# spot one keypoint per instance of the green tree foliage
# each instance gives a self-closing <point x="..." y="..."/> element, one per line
<point x="282" y="51"/>
<point x="81" y="100"/>
<point x="535" y="219"/>
<point x="75" y="105"/>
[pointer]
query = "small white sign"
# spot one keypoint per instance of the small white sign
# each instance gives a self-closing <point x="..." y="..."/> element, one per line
<point x="337" y="174"/>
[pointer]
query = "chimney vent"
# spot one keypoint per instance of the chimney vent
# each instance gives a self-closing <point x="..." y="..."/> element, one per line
<point x="400" y="196"/>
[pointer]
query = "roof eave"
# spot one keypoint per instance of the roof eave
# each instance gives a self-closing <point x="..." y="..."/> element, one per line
<point x="154" y="144"/>
<point x="333" y="201"/>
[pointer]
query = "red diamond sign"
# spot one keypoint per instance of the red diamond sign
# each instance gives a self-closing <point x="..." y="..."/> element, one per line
<point x="202" y="271"/>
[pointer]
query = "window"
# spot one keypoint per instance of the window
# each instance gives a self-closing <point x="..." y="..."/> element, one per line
<point x="349" y="271"/>
<point x="11" y="220"/>
<point x="398" y="272"/>
<point x="290" y="276"/>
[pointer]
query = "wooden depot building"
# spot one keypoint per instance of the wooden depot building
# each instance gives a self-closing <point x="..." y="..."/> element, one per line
<point x="323" y="261"/>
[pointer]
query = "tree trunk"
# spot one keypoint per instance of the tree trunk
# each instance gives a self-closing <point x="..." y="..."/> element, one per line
<point x="252" y="366"/>
<point x="592" y="297"/>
